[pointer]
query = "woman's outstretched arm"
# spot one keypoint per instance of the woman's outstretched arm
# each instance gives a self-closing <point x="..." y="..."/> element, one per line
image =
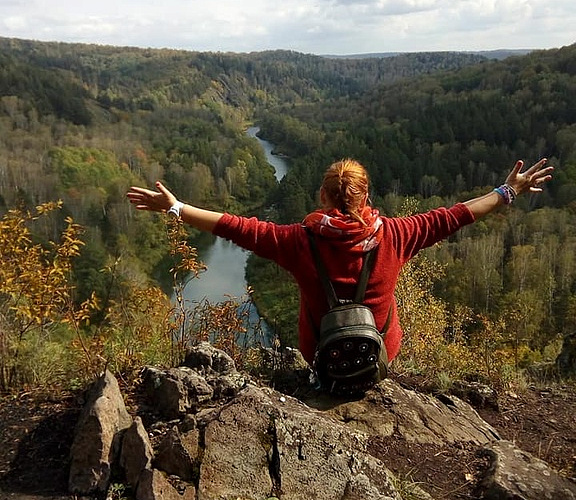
<point x="163" y="200"/>
<point x="516" y="183"/>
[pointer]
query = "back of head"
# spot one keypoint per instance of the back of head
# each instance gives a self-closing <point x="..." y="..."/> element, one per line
<point x="345" y="186"/>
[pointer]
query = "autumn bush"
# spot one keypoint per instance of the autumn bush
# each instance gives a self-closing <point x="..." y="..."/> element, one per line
<point x="38" y="316"/>
<point x="444" y="343"/>
<point x="448" y="342"/>
<point x="50" y="342"/>
<point x="47" y="339"/>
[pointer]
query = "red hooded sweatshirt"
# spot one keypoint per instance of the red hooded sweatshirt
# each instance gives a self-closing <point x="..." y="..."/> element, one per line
<point x="288" y="246"/>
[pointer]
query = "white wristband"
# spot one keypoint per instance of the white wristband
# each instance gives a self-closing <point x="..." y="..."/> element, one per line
<point x="176" y="208"/>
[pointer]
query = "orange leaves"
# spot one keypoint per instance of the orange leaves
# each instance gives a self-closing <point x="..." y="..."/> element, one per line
<point x="185" y="256"/>
<point x="34" y="280"/>
<point x="35" y="293"/>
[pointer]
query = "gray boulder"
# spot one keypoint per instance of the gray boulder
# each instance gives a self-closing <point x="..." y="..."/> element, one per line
<point x="207" y="360"/>
<point x="177" y="453"/>
<point x="264" y="444"/>
<point x="154" y="485"/>
<point x="209" y="374"/>
<point x="137" y="453"/>
<point x="176" y="391"/>
<point x="517" y="475"/>
<point x="97" y="437"/>
<point x="420" y="418"/>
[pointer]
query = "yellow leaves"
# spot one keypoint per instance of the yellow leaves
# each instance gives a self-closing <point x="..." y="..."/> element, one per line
<point x="48" y="207"/>
<point x="186" y="261"/>
<point x="85" y="311"/>
<point x="70" y="244"/>
<point x="37" y="297"/>
<point x="34" y="282"/>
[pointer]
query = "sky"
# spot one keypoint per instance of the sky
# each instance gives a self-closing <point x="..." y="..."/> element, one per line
<point x="320" y="27"/>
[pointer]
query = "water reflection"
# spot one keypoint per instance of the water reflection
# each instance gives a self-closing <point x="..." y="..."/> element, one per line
<point x="224" y="275"/>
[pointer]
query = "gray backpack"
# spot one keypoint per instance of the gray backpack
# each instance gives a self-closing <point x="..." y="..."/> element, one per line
<point x="350" y="354"/>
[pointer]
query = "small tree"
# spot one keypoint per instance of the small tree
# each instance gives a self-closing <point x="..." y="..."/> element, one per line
<point x="36" y="299"/>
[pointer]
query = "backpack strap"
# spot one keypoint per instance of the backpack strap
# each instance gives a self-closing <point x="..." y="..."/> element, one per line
<point x="333" y="300"/>
<point x="367" y="265"/>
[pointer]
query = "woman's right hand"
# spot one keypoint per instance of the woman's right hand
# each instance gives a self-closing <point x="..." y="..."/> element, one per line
<point x="156" y="201"/>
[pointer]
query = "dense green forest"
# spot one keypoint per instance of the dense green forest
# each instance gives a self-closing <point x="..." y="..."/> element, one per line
<point x="81" y="123"/>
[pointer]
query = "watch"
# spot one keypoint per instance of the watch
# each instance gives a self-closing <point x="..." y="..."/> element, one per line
<point x="176" y="208"/>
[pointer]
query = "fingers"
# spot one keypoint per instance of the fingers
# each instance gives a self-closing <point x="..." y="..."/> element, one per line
<point x="162" y="189"/>
<point x="537" y="176"/>
<point x="515" y="172"/>
<point x="136" y="192"/>
<point x="541" y="178"/>
<point x="143" y="199"/>
<point x="536" y="167"/>
<point x="517" y="167"/>
<point x="146" y="199"/>
<point x="532" y="179"/>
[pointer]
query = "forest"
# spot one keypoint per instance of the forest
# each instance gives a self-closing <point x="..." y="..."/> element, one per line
<point x="81" y="123"/>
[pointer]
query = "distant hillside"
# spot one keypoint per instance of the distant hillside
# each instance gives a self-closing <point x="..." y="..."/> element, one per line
<point x="445" y="132"/>
<point x="133" y="74"/>
<point x="488" y="54"/>
<point x="502" y="53"/>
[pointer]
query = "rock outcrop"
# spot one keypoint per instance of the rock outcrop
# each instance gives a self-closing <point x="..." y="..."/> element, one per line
<point x="97" y="439"/>
<point x="515" y="474"/>
<point x="221" y="436"/>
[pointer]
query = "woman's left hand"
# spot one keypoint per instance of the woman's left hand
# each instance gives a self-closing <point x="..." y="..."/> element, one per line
<point x="532" y="179"/>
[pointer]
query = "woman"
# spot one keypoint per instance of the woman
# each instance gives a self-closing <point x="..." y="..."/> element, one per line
<point x="346" y="227"/>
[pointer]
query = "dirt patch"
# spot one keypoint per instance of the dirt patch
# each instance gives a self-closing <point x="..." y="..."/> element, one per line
<point x="35" y="439"/>
<point x="36" y="435"/>
<point x="541" y="421"/>
<point x="444" y="472"/>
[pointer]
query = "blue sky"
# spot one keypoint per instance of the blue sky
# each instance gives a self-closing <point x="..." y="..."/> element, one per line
<point x="312" y="26"/>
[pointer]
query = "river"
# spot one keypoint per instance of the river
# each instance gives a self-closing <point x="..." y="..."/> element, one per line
<point x="226" y="262"/>
<point x="278" y="162"/>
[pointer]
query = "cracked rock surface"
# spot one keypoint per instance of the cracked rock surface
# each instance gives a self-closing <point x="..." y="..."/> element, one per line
<point x="205" y="431"/>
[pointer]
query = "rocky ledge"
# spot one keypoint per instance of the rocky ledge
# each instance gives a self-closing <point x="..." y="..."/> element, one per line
<point x="217" y="435"/>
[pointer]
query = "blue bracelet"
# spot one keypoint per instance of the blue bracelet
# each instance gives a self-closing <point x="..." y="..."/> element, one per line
<point x="500" y="190"/>
<point x="507" y="192"/>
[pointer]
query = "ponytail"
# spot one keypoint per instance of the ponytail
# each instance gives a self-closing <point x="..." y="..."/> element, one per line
<point x="346" y="185"/>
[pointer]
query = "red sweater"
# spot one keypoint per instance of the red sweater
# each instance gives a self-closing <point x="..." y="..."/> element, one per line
<point x="288" y="246"/>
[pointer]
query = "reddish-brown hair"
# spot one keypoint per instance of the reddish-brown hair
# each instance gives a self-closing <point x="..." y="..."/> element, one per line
<point x="345" y="185"/>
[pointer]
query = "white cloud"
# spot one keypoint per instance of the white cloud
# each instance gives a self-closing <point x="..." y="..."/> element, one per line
<point x="313" y="26"/>
<point x="15" y="23"/>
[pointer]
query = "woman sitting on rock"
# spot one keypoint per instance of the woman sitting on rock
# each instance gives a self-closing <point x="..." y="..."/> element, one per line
<point x="345" y="228"/>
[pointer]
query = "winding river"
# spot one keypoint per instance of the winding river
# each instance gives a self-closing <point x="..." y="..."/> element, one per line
<point x="226" y="262"/>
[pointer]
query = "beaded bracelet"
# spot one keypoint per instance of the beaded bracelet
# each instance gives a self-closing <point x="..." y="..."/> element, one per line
<point x="507" y="192"/>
